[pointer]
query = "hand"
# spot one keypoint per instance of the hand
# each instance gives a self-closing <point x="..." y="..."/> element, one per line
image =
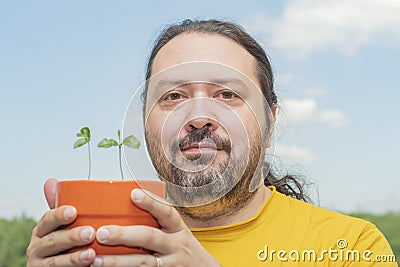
<point x="48" y="240"/>
<point x="174" y="242"/>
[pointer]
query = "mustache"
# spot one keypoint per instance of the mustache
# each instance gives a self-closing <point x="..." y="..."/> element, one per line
<point x="198" y="135"/>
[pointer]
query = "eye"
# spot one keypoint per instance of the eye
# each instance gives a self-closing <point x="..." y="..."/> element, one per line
<point x="227" y="95"/>
<point x="173" y="96"/>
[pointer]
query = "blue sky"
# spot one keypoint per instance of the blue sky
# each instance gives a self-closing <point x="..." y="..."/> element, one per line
<point x="70" y="64"/>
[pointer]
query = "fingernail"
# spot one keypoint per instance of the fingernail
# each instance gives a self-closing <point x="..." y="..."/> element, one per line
<point x="102" y="234"/>
<point x="97" y="262"/>
<point x="86" y="255"/>
<point x="137" y="194"/>
<point x="69" y="213"/>
<point x="87" y="233"/>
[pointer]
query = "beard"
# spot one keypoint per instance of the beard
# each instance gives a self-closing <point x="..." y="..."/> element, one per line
<point x="202" y="186"/>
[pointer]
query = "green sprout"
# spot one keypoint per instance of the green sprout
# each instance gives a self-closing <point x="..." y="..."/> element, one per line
<point x="84" y="135"/>
<point x="130" y="141"/>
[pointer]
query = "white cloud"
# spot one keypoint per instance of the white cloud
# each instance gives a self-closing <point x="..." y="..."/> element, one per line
<point x="333" y="118"/>
<point x="283" y="79"/>
<point x="300" y="110"/>
<point x="345" y="25"/>
<point x="295" y="154"/>
<point x="306" y="113"/>
<point x="313" y="91"/>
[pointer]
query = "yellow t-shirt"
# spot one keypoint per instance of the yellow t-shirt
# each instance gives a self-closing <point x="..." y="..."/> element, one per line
<point x="290" y="232"/>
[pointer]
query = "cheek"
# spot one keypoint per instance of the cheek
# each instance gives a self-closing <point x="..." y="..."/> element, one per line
<point x="165" y="125"/>
<point x="173" y="125"/>
<point x="247" y="133"/>
<point x="237" y="125"/>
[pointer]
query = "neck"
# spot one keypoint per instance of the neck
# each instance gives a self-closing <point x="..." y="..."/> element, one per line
<point x="245" y="212"/>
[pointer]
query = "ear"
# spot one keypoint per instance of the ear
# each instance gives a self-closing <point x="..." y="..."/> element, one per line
<point x="271" y="122"/>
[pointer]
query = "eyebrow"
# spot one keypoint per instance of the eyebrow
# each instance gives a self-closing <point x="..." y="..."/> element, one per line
<point x="231" y="81"/>
<point x="170" y="83"/>
<point x="223" y="82"/>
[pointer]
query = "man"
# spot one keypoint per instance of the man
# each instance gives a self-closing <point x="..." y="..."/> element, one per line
<point x="209" y="113"/>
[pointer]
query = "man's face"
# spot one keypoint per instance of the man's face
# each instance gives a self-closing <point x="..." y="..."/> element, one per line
<point x="205" y="121"/>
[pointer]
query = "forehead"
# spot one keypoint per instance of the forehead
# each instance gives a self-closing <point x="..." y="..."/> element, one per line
<point x="190" y="47"/>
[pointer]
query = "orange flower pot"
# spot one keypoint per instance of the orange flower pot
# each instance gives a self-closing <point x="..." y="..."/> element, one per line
<point x="101" y="203"/>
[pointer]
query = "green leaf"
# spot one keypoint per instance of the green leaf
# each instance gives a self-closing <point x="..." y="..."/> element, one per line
<point x="80" y="142"/>
<point x="106" y="143"/>
<point x="86" y="132"/>
<point x="131" y="141"/>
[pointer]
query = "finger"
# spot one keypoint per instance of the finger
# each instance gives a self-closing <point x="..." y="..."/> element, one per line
<point x="55" y="218"/>
<point x="32" y="244"/>
<point x="50" y="192"/>
<point x="146" y="237"/>
<point x="129" y="260"/>
<point x="167" y="216"/>
<point x="79" y="258"/>
<point x="62" y="240"/>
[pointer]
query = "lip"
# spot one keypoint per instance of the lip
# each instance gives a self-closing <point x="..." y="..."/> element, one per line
<point x="200" y="147"/>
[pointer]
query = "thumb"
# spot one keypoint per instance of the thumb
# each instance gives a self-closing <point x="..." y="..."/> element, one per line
<point x="50" y="192"/>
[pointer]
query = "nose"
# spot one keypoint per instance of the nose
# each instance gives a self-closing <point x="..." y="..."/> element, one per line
<point x="200" y="114"/>
<point x="200" y="123"/>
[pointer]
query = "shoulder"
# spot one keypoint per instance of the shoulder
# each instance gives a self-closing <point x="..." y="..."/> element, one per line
<point x="331" y="227"/>
<point x="312" y="212"/>
<point x="318" y="217"/>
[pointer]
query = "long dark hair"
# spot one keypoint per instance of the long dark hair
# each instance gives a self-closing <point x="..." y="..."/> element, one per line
<point x="288" y="184"/>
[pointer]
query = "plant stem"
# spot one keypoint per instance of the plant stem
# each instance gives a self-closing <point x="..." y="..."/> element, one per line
<point x="119" y="153"/>
<point x="90" y="160"/>
<point x="120" y="161"/>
